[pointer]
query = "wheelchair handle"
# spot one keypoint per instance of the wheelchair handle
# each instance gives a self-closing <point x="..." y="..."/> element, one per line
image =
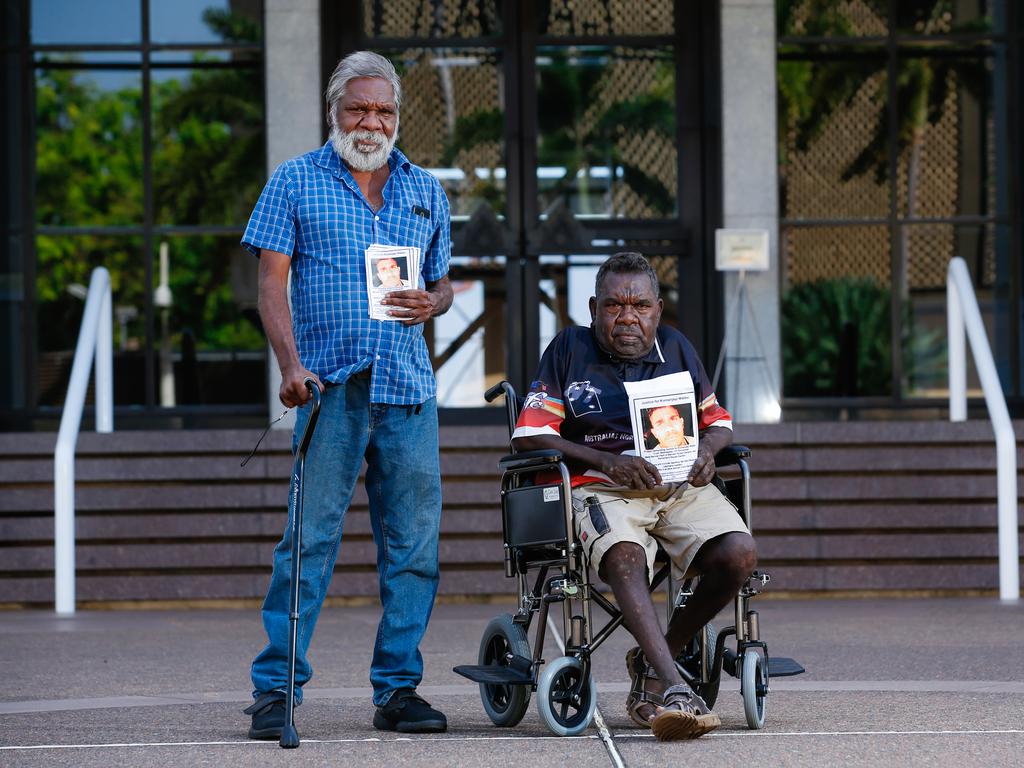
<point x="502" y="387"/>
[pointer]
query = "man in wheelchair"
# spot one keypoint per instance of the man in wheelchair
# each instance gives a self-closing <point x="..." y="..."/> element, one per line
<point x="578" y="405"/>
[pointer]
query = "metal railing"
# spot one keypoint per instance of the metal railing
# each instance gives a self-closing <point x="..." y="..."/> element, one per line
<point x="963" y="313"/>
<point x="95" y="342"/>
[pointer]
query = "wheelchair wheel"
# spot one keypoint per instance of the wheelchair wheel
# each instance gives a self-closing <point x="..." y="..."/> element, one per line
<point x="698" y="652"/>
<point x="754" y="688"/>
<point x="565" y="701"/>
<point x="504" y="704"/>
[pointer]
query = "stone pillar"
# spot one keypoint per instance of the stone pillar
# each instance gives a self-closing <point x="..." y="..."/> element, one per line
<point x="750" y="201"/>
<point x="294" y="108"/>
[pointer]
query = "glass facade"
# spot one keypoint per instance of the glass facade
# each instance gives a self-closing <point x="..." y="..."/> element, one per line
<point x="559" y="133"/>
<point x="138" y="145"/>
<point x="893" y="158"/>
<point x="562" y="131"/>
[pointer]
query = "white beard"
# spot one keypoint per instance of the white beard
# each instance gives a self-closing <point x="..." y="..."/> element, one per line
<point x="359" y="159"/>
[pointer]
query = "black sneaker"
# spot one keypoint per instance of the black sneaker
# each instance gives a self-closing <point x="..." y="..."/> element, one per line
<point x="407" y="712"/>
<point x="268" y="715"/>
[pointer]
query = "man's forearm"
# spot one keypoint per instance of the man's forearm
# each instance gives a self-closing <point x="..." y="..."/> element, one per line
<point x="277" y="323"/>
<point x="442" y="296"/>
<point x="716" y="438"/>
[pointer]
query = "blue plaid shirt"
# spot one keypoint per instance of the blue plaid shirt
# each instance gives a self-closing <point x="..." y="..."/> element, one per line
<point x="313" y="210"/>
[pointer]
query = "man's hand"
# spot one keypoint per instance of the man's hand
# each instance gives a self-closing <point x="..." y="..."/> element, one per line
<point x="712" y="440"/>
<point x="703" y="470"/>
<point x="631" y="471"/>
<point x="412" y="306"/>
<point x="293" y="386"/>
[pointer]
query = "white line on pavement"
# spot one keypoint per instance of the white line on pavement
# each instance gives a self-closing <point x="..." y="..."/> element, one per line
<point x="783" y="685"/>
<point x="524" y="737"/>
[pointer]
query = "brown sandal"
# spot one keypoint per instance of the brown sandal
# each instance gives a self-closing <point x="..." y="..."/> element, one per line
<point x="638" y="698"/>
<point x="683" y="715"/>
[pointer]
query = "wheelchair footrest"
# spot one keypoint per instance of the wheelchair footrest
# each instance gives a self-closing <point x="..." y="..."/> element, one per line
<point x="780" y="666"/>
<point x="518" y="672"/>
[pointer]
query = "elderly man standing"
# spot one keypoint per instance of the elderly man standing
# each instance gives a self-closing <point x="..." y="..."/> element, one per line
<point x="578" y="405"/>
<point x="316" y="217"/>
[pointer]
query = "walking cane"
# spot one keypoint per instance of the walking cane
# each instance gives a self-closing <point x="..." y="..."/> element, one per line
<point x="289" y="736"/>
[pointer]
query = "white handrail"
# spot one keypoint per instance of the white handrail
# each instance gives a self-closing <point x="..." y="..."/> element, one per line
<point x="95" y="340"/>
<point x="962" y="312"/>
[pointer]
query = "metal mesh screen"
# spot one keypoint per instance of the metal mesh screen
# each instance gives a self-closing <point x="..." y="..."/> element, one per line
<point x="850" y="17"/>
<point x="822" y="253"/>
<point x="608" y="17"/>
<point x="442" y="87"/>
<point x="431" y="18"/>
<point x="812" y="178"/>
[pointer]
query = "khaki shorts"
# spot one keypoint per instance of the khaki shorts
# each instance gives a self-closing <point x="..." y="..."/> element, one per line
<point x="681" y="519"/>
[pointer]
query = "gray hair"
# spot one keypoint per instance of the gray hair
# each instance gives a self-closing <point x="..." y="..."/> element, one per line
<point x="627" y="262"/>
<point x="360" y="64"/>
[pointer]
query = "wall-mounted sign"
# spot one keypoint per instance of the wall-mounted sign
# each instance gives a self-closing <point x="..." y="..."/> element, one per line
<point x="741" y="250"/>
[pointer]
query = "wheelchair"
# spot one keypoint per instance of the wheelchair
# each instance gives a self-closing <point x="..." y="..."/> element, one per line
<point x="543" y="554"/>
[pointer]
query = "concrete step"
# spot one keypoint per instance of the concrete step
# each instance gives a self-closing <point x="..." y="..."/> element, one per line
<point x="838" y="507"/>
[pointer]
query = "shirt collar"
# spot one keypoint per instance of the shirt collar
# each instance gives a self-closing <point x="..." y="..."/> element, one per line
<point x="328" y="159"/>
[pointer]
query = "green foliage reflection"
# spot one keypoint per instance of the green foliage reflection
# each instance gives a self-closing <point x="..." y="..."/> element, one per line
<point x="208" y="168"/>
<point x="836" y="341"/>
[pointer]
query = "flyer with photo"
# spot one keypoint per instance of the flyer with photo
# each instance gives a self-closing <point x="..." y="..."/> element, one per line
<point x="389" y="268"/>
<point x="663" y="414"/>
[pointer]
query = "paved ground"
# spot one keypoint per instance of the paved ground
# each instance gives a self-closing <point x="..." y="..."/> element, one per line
<point x="890" y="682"/>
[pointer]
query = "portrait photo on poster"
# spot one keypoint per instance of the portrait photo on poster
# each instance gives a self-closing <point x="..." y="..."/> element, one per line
<point x="663" y="415"/>
<point x="389" y="268"/>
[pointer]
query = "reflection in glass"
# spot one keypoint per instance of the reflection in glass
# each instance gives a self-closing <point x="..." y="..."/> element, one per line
<point x="468" y="346"/>
<point x="833" y="120"/>
<point x="942" y="17"/>
<point x="74" y="21"/>
<point x="835" y="312"/>
<point x="205" y="21"/>
<point x="453" y="123"/>
<point x="929" y="247"/>
<point x="606" y="17"/>
<point x="567" y="283"/>
<point x="832" y="18"/>
<point x="64" y="267"/>
<point x="946" y="165"/>
<point x="208" y="149"/>
<point x="441" y="19"/>
<point x="210" y="347"/>
<point x="606" y="139"/>
<point x="88" y="147"/>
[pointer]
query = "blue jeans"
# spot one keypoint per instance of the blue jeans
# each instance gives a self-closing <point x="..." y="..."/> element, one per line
<point x="404" y="488"/>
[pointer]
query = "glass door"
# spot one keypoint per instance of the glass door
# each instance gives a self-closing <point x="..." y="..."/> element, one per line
<point x="562" y="132"/>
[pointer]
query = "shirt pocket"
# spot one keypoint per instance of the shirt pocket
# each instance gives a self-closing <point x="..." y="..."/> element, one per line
<point x="410" y="228"/>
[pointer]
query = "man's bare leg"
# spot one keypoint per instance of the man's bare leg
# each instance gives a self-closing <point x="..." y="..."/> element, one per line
<point x="624" y="568"/>
<point x="683" y="715"/>
<point x="724" y="563"/>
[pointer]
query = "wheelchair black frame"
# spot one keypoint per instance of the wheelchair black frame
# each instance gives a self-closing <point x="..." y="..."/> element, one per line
<point x="573" y="583"/>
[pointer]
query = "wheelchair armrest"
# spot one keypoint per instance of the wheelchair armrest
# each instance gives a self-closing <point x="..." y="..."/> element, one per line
<point x="528" y="459"/>
<point x="731" y="454"/>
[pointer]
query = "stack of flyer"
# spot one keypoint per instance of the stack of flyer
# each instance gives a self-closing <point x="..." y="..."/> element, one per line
<point x="389" y="268"/>
<point x="663" y="413"/>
